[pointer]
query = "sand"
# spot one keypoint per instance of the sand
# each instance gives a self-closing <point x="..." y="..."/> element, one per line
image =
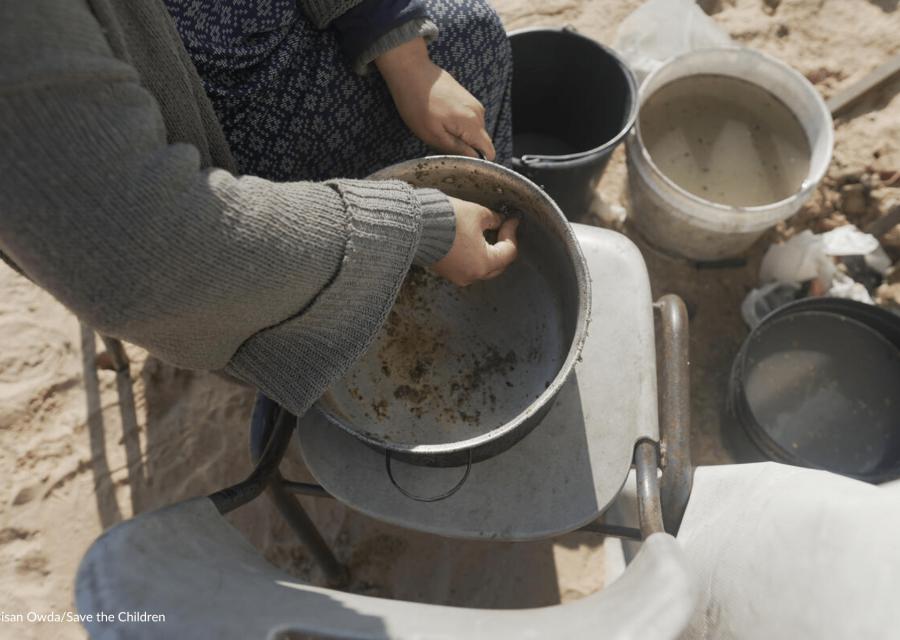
<point x="82" y="449"/>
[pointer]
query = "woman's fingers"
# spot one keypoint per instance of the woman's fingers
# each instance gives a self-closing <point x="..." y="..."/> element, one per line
<point x="472" y="257"/>
<point x="502" y="253"/>
<point x="436" y="108"/>
<point x="472" y="133"/>
<point x="456" y="145"/>
<point x="490" y="220"/>
<point x="482" y="142"/>
<point x="508" y="230"/>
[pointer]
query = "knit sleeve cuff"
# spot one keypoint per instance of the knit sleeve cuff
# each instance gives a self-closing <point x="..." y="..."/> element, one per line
<point x="415" y="28"/>
<point x="438" y="227"/>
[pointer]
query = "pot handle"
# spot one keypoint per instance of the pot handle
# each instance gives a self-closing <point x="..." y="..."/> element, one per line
<point x="441" y="496"/>
<point x="532" y="161"/>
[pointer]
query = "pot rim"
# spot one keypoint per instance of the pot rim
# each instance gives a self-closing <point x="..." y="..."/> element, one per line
<point x="521" y="421"/>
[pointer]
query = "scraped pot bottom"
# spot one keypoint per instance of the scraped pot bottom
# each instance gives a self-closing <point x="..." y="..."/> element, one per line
<point x="452" y="362"/>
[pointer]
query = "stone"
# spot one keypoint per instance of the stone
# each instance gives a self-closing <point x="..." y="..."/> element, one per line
<point x="710" y="7"/>
<point x="830" y="222"/>
<point x="893" y="274"/>
<point x="850" y="176"/>
<point x="24" y="495"/>
<point x="854" y="200"/>
<point x="888" y="295"/>
<point x="891" y="239"/>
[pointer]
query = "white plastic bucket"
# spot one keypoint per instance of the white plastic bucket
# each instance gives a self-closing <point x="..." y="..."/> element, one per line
<point x="678" y="221"/>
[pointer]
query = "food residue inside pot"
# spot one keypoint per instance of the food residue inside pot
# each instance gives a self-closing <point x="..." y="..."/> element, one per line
<point x="411" y="349"/>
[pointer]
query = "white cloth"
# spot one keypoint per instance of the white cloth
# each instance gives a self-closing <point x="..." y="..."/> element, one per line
<point x="785" y="552"/>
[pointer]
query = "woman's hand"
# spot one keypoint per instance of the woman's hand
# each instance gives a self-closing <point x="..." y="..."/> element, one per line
<point x="432" y="103"/>
<point x="472" y="257"/>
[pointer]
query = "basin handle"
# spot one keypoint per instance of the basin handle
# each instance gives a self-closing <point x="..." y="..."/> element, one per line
<point x="413" y="496"/>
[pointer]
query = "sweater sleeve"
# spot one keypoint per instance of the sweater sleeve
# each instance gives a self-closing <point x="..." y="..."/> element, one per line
<point x="282" y="284"/>
<point x="438" y="227"/>
<point x="415" y="28"/>
<point x="375" y="26"/>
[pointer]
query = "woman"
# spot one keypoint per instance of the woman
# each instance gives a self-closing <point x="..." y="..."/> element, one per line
<point x="313" y="90"/>
<point x="120" y="196"/>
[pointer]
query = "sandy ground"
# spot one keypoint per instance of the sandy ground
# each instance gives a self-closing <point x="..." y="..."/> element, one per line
<point x="82" y="449"/>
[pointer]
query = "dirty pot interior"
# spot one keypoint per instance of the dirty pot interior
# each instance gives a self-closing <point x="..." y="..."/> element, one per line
<point x="458" y="369"/>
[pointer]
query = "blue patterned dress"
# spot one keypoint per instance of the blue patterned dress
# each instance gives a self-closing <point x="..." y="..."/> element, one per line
<point x="291" y="106"/>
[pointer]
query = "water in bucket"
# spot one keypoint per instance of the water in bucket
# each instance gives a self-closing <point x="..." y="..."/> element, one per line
<point x="725" y="140"/>
<point x="674" y="219"/>
<point x="574" y="101"/>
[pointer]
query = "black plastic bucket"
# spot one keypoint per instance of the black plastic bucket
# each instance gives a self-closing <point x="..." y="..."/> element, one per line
<point x="817" y="384"/>
<point x="573" y="101"/>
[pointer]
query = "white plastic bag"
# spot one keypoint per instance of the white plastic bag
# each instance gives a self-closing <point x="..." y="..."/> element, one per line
<point x="662" y="29"/>
<point x="762" y="301"/>
<point x="843" y="286"/>
<point x="807" y="256"/>
<point x="799" y="259"/>
<point x="847" y="240"/>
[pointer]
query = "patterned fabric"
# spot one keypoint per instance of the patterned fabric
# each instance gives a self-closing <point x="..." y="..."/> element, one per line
<point x="293" y="109"/>
<point x="360" y="27"/>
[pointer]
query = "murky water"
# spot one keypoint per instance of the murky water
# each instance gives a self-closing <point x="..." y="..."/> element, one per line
<point x="725" y="140"/>
<point x="824" y="387"/>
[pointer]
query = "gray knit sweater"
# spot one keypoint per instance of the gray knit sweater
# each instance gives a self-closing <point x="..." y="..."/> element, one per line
<point x="117" y="194"/>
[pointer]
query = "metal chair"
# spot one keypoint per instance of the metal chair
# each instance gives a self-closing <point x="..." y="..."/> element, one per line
<point x="622" y="270"/>
<point x="188" y="563"/>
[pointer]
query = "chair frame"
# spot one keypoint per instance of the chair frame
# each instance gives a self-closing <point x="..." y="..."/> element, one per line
<point x="661" y="500"/>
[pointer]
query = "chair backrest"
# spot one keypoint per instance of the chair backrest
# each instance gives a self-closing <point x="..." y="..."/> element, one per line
<point x="187" y="563"/>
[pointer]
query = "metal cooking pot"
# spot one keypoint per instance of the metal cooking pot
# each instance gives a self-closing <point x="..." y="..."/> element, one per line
<point x="458" y="375"/>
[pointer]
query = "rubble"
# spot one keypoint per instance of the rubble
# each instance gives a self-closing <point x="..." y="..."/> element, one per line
<point x="854" y="200"/>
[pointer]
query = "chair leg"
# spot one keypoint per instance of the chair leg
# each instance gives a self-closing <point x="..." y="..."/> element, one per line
<point x="289" y="507"/>
<point x="116" y="353"/>
<point x="268" y="419"/>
